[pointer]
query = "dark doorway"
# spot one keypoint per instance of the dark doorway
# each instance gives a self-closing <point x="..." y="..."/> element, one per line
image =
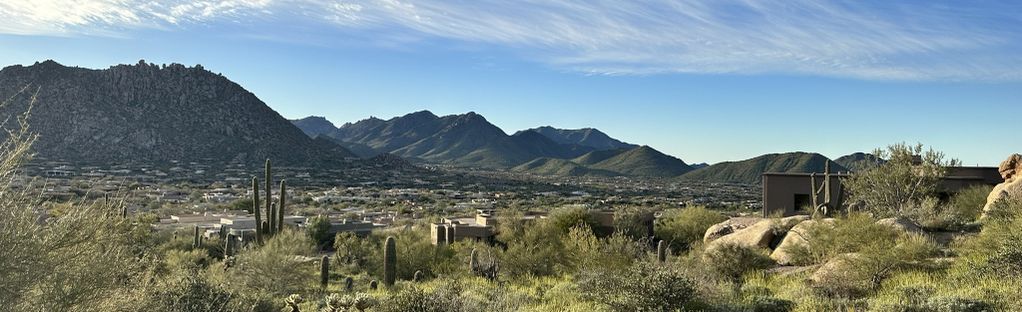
<point x="803" y="202"/>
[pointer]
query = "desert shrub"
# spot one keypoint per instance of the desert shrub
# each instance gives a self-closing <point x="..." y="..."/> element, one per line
<point x="415" y="252"/>
<point x="319" y="231"/>
<point x="585" y="252"/>
<point x="967" y="205"/>
<point x="682" y="227"/>
<point x="277" y="268"/>
<point x="645" y="286"/>
<point x="892" y="188"/>
<point x="414" y="299"/>
<point x="631" y="222"/>
<point x="769" y="304"/>
<point x="538" y="252"/>
<point x="564" y="218"/>
<point x="353" y="250"/>
<point x="731" y="261"/>
<point x="859" y="273"/>
<point x="845" y="235"/>
<point x="187" y="292"/>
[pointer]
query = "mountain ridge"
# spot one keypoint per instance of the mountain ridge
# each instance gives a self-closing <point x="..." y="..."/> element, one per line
<point x="153" y="114"/>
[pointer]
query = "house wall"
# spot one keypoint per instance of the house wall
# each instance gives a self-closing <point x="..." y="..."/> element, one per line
<point x="779" y="190"/>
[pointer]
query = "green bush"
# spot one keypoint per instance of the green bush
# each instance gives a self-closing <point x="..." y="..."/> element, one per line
<point x="645" y="286"/>
<point x="414" y="299"/>
<point x="731" y="261"/>
<point x="892" y="188"/>
<point x="680" y="228"/>
<point x="845" y="235"/>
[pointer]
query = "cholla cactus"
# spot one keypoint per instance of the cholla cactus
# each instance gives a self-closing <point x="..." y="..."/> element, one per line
<point x="362" y="301"/>
<point x="293" y="301"/>
<point x="337" y="303"/>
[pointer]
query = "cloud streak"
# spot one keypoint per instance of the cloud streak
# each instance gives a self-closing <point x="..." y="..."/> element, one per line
<point x="885" y="40"/>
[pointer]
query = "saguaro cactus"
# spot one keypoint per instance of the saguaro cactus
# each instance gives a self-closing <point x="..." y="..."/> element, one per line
<point x="280" y="207"/>
<point x="255" y="210"/>
<point x="390" y="262"/>
<point x="324" y="272"/>
<point x="661" y="251"/>
<point x="269" y="196"/>
<point x="473" y="261"/>
<point x="349" y="283"/>
<point x="228" y="246"/>
<point x="195" y="238"/>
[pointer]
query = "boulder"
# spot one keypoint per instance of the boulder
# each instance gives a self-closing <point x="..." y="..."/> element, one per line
<point x="717" y="231"/>
<point x="787" y="223"/>
<point x="797" y="236"/>
<point x="901" y="224"/>
<point x="757" y="235"/>
<point x="837" y="268"/>
<point x="1011" y="170"/>
<point x="727" y="227"/>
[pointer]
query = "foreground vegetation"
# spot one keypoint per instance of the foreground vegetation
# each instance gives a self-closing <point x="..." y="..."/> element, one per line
<point x="93" y="258"/>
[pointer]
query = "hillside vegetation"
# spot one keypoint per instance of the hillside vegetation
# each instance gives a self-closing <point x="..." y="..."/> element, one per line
<point x="750" y="171"/>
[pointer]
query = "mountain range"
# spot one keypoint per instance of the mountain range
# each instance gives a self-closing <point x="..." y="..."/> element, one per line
<point x="470" y="140"/>
<point x="146" y="113"/>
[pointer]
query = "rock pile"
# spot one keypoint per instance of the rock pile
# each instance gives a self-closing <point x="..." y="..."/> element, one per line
<point x="1011" y="188"/>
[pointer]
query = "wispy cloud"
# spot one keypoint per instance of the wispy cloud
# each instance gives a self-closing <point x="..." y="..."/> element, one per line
<point x="932" y="40"/>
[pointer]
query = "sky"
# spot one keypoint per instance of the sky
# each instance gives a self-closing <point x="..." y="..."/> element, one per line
<point x="702" y="80"/>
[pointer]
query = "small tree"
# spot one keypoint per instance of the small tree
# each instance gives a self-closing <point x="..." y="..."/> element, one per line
<point x="319" y="231"/>
<point x="909" y="175"/>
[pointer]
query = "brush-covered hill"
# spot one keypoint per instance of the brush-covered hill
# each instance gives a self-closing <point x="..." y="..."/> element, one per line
<point x="750" y="171"/>
<point x="146" y="113"/>
<point x="859" y="161"/>
<point x="644" y="161"/>
<point x="587" y="137"/>
<point x="559" y="167"/>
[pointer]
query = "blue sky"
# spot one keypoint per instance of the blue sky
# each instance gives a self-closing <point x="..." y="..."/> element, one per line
<point x="704" y="80"/>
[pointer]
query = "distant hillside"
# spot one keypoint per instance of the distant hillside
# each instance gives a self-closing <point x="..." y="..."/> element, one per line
<point x="750" y="171"/>
<point x="147" y="113"/>
<point x="859" y="161"/>
<point x="594" y="157"/>
<point x="644" y="161"/>
<point x="699" y="165"/>
<point x="559" y="167"/>
<point x="314" y="125"/>
<point x="588" y="137"/>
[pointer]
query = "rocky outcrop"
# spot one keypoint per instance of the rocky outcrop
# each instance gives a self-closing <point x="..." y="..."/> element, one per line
<point x="835" y="269"/>
<point x="798" y="236"/>
<point x="728" y="226"/>
<point x="758" y="235"/>
<point x="1011" y="188"/>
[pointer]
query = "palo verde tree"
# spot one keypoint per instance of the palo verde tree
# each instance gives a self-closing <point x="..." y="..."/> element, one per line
<point x="909" y="174"/>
